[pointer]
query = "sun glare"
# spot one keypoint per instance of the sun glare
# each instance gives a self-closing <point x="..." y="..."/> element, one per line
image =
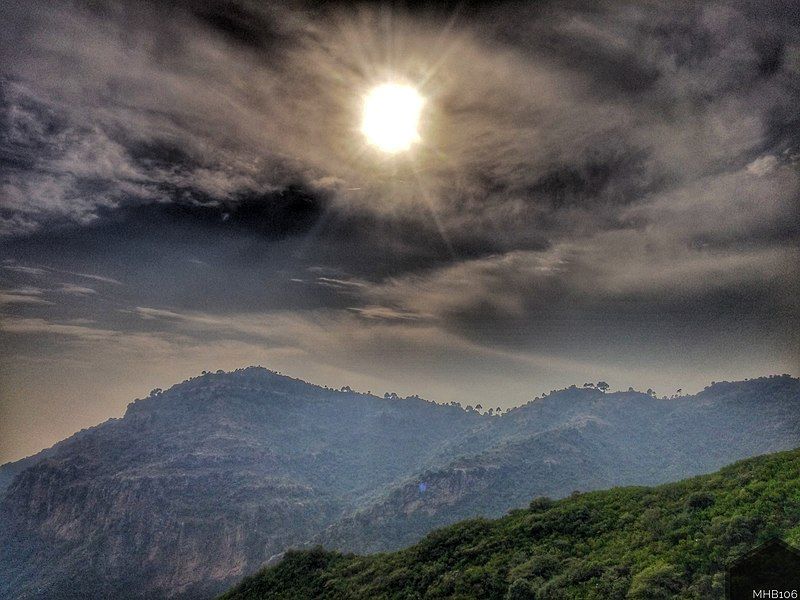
<point x="391" y="117"/>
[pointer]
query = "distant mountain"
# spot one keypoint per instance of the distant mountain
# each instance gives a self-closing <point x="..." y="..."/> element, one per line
<point x="201" y="484"/>
<point x="578" y="440"/>
<point x="672" y="541"/>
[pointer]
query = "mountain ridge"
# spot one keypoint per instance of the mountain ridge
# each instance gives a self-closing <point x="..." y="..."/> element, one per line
<point x="200" y="484"/>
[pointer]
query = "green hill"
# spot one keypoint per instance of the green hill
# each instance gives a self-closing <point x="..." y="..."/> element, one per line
<point x="670" y="541"/>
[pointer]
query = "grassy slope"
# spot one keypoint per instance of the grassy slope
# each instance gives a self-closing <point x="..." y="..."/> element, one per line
<point x="670" y="541"/>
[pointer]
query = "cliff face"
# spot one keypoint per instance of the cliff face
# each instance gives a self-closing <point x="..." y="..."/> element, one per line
<point x="202" y="484"/>
<point x="164" y="533"/>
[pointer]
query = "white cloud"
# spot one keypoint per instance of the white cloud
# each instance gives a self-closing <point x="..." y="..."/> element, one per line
<point x="763" y="165"/>
<point x="76" y="290"/>
<point x="23" y="297"/>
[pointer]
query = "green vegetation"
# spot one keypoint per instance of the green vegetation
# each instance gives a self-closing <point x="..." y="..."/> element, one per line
<point x="671" y="541"/>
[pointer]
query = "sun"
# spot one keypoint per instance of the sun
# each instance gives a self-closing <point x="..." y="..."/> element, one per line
<point x="391" y="117"/>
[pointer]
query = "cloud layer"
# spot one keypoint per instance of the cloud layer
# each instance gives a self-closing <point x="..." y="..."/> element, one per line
<point x="602" y="190"/>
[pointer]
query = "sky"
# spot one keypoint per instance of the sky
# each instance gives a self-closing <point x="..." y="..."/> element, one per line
<point x="600" y="190"/>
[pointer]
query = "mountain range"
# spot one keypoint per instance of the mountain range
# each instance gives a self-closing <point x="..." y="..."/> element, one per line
<point x="633" y="543"/>
<point x="202" y="484"/>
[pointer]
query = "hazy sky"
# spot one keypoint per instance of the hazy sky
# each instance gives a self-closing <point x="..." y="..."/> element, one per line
<point x="601" y="191"/>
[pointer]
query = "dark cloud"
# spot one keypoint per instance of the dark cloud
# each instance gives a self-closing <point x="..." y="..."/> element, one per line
<point x="244" y="24"/>
<point x="271" y="215"/>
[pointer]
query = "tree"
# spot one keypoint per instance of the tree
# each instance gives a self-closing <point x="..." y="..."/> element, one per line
<point x="540" y="503"/>
<point x="700" y="500"/>
<point x="520" y="589"/>
<point x="602" y="386"/>
<point x="660" y="580"/>
<point x="478" y="407"/>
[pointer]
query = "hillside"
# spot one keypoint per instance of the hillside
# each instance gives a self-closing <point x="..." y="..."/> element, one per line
<point x="204" y="483"/>
<point x="580" y="439"/>
<point x="671" y="541"/>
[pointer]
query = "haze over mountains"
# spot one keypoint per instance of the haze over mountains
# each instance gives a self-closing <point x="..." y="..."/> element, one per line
<point x="200" y="485"/>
